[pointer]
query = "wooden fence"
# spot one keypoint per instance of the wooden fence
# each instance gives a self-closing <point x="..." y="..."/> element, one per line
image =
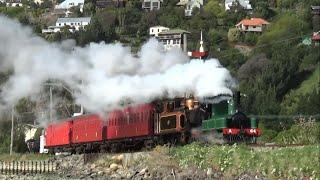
<point x="30" y="167"/>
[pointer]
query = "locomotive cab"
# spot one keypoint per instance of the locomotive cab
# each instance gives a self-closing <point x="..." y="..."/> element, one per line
<point x="170" y="117"/>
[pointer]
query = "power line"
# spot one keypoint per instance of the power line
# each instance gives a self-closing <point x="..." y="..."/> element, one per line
<point x="268" y="44"/>
<point x="272" y="116"/>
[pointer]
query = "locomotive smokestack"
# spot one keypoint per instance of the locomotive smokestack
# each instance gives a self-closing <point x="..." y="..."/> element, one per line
<point x="237" y="98"/>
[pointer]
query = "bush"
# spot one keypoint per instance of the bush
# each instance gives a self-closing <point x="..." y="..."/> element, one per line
<point x="234" y="35"/>
<point x="305" y="132"/>
<point x="251" y="38"/>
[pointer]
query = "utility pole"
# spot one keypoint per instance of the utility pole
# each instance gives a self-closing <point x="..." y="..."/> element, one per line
<point x="51" y="103"/>
<point x="12" y="118"/>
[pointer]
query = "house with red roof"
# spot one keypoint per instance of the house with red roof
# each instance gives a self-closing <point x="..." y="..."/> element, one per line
<point x="252" y="25"/>
<point x="316" y="38"/>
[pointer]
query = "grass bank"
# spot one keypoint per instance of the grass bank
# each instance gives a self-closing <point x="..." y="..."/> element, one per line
<point x="233" y="160"/>
<point x="24" y="157"/>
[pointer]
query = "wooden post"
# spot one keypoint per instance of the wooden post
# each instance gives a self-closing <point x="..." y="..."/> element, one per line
<point x="44" y="166"/>
<point x="24" y="167"/>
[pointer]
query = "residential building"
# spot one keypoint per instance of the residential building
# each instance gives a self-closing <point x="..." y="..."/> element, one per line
<point x="67" y="4"/>
<point x="315" y="18"/>
<point x="189" y="5"/>
<point x="73" y="24"/>
<point x="150" y="5"/>
<point x="252" y="25"/>
<point x="155" y="30"/>
<point x="316" y="38"/>
<point x="110" y="3"/>
<point x="13" y="3"/>
<point x="38" y="1"/>
<point x="175" y="38"/>
<point x="243" y="3"/>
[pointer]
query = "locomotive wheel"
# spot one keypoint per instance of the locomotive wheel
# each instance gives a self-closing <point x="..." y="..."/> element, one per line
<point x="148" y="144"/>
<point x="184" y="138"/>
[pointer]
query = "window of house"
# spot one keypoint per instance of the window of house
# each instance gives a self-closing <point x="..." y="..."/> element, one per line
<point x="59" y="24"/>
<point x="71" y="24"/>
<point x="155" y="4"/>
<point x="147" y="4"/>
<point x="174" y="41"/>
<point x="158" y="30"/>
<point x="151" y="30"/>
<point x="254" y="26"/>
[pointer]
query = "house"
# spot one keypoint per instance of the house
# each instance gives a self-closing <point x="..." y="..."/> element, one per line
<point x="252" y="25"/>
<point x="13" y="3"/>
<point x="190" y="5"/>
<point x="150" y="5"/>
<point x="73" y="24"/>
<point x="110" y="3"/>
<point x="155" y="30"/>
<point x="67" y="4"/>
<point x="315" y="11"/>
<point x="175" y="38"/>
<point x="316" y="38"/>
<point x="243" y="3"/>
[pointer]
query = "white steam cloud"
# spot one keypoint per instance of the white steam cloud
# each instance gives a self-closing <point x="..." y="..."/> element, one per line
<point x="103" y="74"/>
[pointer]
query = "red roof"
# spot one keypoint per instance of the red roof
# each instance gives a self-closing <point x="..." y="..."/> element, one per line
<point x="316" y="36"/>
<point x="253" y="22"/>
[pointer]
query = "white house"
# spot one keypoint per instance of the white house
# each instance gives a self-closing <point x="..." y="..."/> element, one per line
<point x="155" y="30"/>
<point x="13" y="3"/>
<point x="244" y="3"/>
<point x="74" y="24"/>
<point x="189" y="5"/>
<point x="150" y="5"/>
<point x="252" y="25"/>
<point x="70" y="3"/>
<point x="175" y="38"/>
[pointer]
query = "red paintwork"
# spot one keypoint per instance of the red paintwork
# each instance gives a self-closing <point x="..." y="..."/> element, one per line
<point x="230" y="131"/>
<point x="253" y="132"/>
<point x="87" y="129"/>
<point x="58" y="134"/>
<point x="130" y="122"/>
<point x="198" y="54"/>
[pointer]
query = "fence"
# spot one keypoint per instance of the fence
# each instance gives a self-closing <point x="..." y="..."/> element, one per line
<point x="30" y="167"/>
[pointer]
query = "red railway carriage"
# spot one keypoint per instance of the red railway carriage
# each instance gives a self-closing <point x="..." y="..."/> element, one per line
<point x="131" y="122"/>
<point x="59" y="134"/>
<point x="87" y="128"/>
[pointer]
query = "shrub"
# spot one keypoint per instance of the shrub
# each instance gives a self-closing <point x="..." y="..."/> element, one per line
<point x="234" y="35"/>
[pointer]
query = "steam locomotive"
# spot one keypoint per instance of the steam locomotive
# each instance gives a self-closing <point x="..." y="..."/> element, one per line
<point x="161" y="122"/>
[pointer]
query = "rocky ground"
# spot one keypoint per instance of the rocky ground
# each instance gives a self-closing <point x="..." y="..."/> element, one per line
<point x="138" y="165"/>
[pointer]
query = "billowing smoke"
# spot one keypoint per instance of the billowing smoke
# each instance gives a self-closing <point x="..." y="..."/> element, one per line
<point x="103" y="75"/>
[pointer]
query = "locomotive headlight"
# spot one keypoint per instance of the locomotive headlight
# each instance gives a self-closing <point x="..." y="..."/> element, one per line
<point x="190" y="104"/>
<point x="251" y="131"/>
<point x="254" y="131"/>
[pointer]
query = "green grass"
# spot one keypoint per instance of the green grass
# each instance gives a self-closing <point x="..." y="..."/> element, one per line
<point x="24" y="157"/>
<point x="233" y="160"/>
<point x="311" y="83"/>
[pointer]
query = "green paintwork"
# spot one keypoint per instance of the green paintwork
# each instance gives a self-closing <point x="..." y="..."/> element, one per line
<point x="220" y="111"/>
<point x="253" y="123"/>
